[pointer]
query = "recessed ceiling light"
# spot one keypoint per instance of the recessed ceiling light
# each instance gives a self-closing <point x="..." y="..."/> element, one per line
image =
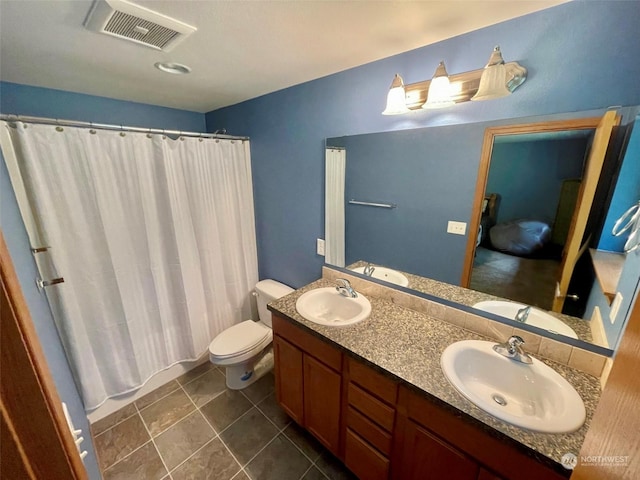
<point x="170" y="67"/>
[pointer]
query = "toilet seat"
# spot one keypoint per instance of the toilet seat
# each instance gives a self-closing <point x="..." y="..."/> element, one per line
<point x="240" y="339"/>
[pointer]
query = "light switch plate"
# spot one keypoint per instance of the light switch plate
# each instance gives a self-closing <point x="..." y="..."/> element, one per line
<point x="457" y="228"/>
<point x="320" y="246"/>
<point x="615" y="307"/>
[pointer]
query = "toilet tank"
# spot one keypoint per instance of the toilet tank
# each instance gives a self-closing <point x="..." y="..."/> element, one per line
<point x="266" y="291"/>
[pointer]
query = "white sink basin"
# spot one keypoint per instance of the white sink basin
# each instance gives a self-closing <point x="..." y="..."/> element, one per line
<point x="533" y="396"/>
<point x="386" y="274"/>
<point x="536" y="317"/>
<point x="328" y="307"/>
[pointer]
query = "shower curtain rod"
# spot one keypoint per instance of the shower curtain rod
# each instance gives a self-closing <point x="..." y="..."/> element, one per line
<point x="106" y="126"/>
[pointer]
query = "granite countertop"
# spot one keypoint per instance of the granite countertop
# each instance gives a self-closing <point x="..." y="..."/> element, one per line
<point x="407" y="345"/>
<point x="468" y="297"/>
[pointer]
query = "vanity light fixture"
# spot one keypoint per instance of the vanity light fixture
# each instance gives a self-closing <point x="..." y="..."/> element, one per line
<point x="439" y="94"/>
<point x="493" y="81"/>
<point x="396" y="98"/>
<point x="497" y="79"/>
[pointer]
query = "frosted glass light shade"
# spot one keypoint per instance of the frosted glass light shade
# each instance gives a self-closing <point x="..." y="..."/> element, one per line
<point x="439" y="94"/>
<point x="493" y="83"/>
<point x="396" y="98"/>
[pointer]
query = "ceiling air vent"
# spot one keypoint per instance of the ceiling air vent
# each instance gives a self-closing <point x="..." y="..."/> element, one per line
<point x="128" y="21"/>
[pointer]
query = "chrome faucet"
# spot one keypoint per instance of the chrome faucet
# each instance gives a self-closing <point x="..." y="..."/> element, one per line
<point x="512" y="348"/>
<point x="369" y="269"/>
<point x="344" y="288"/>
<point x="523" y="314"/>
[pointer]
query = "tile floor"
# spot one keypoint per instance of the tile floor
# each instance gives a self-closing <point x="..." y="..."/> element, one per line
<point x="195" y="428"/>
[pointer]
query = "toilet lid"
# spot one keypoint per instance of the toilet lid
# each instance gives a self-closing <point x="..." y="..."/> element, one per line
<point x="239" y="339"/>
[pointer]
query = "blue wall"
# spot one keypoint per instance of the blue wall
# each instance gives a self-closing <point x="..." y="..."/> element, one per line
<point x="44" y="102"/>
<point x="405" y="168"/>
<point x="580" y="56"/>
<point x="24" y="100"/>
<point x="528" y="176"/>
<point x="626" y="194"/>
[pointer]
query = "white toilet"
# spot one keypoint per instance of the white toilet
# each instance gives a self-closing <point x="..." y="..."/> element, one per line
<point x="245" y="348"/>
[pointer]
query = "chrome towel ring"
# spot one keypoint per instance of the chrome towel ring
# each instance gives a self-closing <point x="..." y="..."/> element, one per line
<point x="632" y="219"/>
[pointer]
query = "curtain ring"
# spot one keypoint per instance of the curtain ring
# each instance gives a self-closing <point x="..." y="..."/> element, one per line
<point x="164" y="135"/>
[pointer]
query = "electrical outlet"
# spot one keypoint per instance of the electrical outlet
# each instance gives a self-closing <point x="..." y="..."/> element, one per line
<point x="615" y="307"/>
<point x="457" y="228"/>
<point x="320" y="246"/>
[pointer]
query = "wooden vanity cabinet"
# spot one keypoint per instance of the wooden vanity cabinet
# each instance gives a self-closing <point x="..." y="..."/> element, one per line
<point x="308" y="381"/>
<point x="381" y="429"/>
<point x="370" y="406"/>
<point x="289" y="372"/>
<point x="431" y="442"/>
<point x="425" y="456"/>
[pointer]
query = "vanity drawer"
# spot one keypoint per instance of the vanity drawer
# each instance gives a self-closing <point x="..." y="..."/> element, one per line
<point x="371" y="407"/>
<point x="327" y="354"/>
<point x="364" y="460"/>
<point x="374" y="382"/>
<point x="368" y="430"/>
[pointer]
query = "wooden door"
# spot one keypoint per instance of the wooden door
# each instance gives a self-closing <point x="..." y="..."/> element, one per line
<point x="574" y="246"/>
<point x="289" y="378"/>
<point x="490" y="135"/>
<point x="36" y="441"/>
<point x="426" y="457"/>
<point x="322" y="402"/>
<point x="615" y="427"/>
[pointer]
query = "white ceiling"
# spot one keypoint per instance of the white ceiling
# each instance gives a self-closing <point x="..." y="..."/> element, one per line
<point x="242" y="49"/>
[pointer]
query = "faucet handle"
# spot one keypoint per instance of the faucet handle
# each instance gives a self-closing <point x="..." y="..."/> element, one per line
<point x="512" y="348"/>
<point x="514" y="344"/>
<point x="344" y="288"/>
<point x="515" y="341"/>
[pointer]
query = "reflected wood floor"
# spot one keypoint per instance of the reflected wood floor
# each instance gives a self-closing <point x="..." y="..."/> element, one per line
<point x="195" y="428"/>
<point x="526" y="280"/>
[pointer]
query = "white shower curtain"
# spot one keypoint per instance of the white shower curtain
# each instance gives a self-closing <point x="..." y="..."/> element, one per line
<point x="155" y="239"/>
<point x="336" y="163"/>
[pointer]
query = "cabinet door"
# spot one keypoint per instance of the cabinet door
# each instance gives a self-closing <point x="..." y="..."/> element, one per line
<point x="322" y="402"/>
<point x="487" y="475"/>
<point x="289" y="378"/>
<point x="364" y="460"/>
<point x="427" y="457"/>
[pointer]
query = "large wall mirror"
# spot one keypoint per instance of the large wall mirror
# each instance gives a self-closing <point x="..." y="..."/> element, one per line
<point x="536" y="198"/>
